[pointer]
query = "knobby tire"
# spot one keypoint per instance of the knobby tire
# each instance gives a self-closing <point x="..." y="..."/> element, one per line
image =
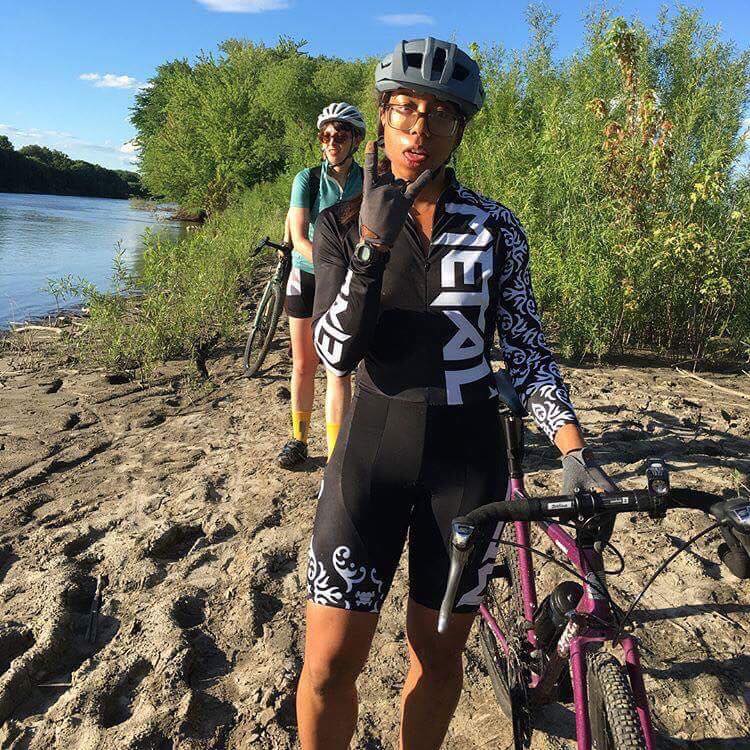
<point x="263" y="330"/>
<point x="612" y="713"/>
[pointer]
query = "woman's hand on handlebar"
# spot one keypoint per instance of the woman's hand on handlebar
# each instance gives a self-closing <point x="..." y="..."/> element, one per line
<point x="582" y="472"/>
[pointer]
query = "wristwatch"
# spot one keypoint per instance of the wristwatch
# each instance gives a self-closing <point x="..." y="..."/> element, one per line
<point x="366" y="254"/>
<point x="363" y="252"/>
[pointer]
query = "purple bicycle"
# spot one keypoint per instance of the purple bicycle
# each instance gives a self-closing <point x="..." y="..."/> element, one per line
<point x="554" y="651"/>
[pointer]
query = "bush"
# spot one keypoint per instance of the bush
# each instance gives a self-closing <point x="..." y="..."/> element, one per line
<point x="188" y="294"/>
<point x="623" y="164"/>
<point x="624" y="161"/>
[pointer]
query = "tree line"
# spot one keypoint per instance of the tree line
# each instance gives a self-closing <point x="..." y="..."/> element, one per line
<point x="37" y="169"/>
<point x="626" y="161"/>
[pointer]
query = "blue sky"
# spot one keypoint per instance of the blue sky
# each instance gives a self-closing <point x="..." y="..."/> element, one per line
<point x="68" y="70"/>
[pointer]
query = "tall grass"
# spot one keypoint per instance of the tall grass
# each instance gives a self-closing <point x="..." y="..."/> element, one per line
<point x="622" y="163"/>
<point x="187" y="298"/>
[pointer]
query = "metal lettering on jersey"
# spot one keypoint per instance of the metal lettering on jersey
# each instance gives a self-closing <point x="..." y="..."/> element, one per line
<point x="462" y="267"/>
<point x="329" y="333"/>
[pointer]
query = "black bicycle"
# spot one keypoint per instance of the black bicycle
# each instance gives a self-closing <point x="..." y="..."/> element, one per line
<point x="269" y="309"/>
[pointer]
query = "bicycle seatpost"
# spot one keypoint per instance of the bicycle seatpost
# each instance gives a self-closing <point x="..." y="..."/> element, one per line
<point x="513" y="431"/>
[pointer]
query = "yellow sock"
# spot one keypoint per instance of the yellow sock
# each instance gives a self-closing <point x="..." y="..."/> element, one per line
<point x="332" y="432"/>
<point x="300" y="425"/>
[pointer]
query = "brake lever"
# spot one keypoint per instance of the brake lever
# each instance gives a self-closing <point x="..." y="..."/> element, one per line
<point x="734" y="552"/>
<point x="462" y="545"/>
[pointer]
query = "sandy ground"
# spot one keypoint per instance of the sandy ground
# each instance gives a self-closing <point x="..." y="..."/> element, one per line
<point x="169" y="496"/>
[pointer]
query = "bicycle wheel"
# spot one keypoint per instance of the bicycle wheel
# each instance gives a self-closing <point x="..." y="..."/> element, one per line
<point x="509" y="674"/>
<point x="264" y="326"/>
<point x="612" y="715"/>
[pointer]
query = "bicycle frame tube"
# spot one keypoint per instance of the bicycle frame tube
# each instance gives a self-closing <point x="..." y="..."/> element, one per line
<point x="526" y="574"/>
<point x="589" y="564"/>
<point x="578" y="636"/>
<point x="635" y="675"/>
<point x="281" y="270"/>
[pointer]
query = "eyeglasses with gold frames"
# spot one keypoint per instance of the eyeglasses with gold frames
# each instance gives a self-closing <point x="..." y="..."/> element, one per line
<point x="440" y="122"/>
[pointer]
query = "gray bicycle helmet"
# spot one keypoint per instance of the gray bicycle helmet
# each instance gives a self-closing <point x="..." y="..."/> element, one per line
<point x="434" y="67"/>
<point x="342" y="112"/>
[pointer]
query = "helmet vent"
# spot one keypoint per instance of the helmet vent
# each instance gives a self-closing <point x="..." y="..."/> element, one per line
<point x="435" y="67"/>
<point x="438" y="61"/>
<point x="459" y="72"/>
<point x="414" y="60"/>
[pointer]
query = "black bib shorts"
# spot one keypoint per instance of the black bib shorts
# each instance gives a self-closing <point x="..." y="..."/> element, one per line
<point x="300" y="294"/>
<point x="404" y="468"/>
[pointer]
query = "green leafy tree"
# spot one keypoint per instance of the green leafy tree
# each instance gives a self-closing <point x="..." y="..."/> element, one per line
<point x="232" y="120"/>
<point x="37" y="169"/>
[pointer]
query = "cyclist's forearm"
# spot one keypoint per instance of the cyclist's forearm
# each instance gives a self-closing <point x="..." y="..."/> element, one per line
<point x="304" y="248"/>
<point x="531" y="365"/>
<point x="343" y="329"/>
<point x="568" y="438"/>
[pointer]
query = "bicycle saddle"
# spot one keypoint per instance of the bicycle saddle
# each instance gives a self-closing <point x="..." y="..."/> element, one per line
<point x="507" y="394"/>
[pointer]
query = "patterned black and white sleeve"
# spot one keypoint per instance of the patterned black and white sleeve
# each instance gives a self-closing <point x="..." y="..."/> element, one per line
<point x="529" y="360"/>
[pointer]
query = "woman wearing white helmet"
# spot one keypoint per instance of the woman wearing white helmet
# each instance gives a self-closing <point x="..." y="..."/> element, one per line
<point x="341" y="129"/>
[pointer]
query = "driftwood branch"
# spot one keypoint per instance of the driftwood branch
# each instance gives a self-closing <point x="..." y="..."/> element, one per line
<point x="721" y="388"/>
<point x="37" y="328"/>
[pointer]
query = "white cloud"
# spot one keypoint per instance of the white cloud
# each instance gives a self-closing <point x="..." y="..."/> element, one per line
<point x="33" y="132"/>
<point x="116" y="156"/>
<point x="407" y="19"/>
<point x="244" y="6"/>
<point x="110" y="81"/>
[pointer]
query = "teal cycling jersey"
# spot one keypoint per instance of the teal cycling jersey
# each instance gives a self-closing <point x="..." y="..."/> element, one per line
<point x="329" y="194"/>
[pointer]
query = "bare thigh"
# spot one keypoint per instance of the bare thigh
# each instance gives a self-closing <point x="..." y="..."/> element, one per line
<point x="337" y="642"/>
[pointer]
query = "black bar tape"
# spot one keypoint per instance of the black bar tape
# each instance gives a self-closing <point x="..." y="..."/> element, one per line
<point x="508" y="510"/>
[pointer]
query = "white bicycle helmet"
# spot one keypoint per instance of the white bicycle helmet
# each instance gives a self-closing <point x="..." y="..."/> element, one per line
<point x="342" y="112"/>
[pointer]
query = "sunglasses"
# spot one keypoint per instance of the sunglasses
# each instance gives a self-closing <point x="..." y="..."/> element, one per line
<point x="338" y="137"/>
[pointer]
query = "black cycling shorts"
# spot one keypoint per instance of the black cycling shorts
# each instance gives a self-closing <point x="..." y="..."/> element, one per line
<point x="401" y="468"/>
<point x="300" y="294"/>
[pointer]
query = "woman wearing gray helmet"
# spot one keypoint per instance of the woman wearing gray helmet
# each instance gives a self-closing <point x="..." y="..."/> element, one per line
<point x="412" y="281"/>
<point x="341" y="129"/>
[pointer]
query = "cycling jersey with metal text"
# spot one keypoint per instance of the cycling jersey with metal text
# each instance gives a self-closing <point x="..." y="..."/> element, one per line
<point x="421" y="325"/>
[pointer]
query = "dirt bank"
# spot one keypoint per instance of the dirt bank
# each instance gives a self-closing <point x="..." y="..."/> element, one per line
<point x="169" y="496"/>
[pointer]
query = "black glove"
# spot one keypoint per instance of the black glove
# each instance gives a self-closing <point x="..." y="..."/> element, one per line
<point x="580" y="470"/>
<point x="385" y="200"/>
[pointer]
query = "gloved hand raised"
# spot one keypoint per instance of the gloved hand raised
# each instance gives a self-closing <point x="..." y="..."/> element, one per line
<point x="385" y="201"/>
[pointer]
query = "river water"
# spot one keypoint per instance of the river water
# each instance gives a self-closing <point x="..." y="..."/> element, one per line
<point x="52" y="236"/>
